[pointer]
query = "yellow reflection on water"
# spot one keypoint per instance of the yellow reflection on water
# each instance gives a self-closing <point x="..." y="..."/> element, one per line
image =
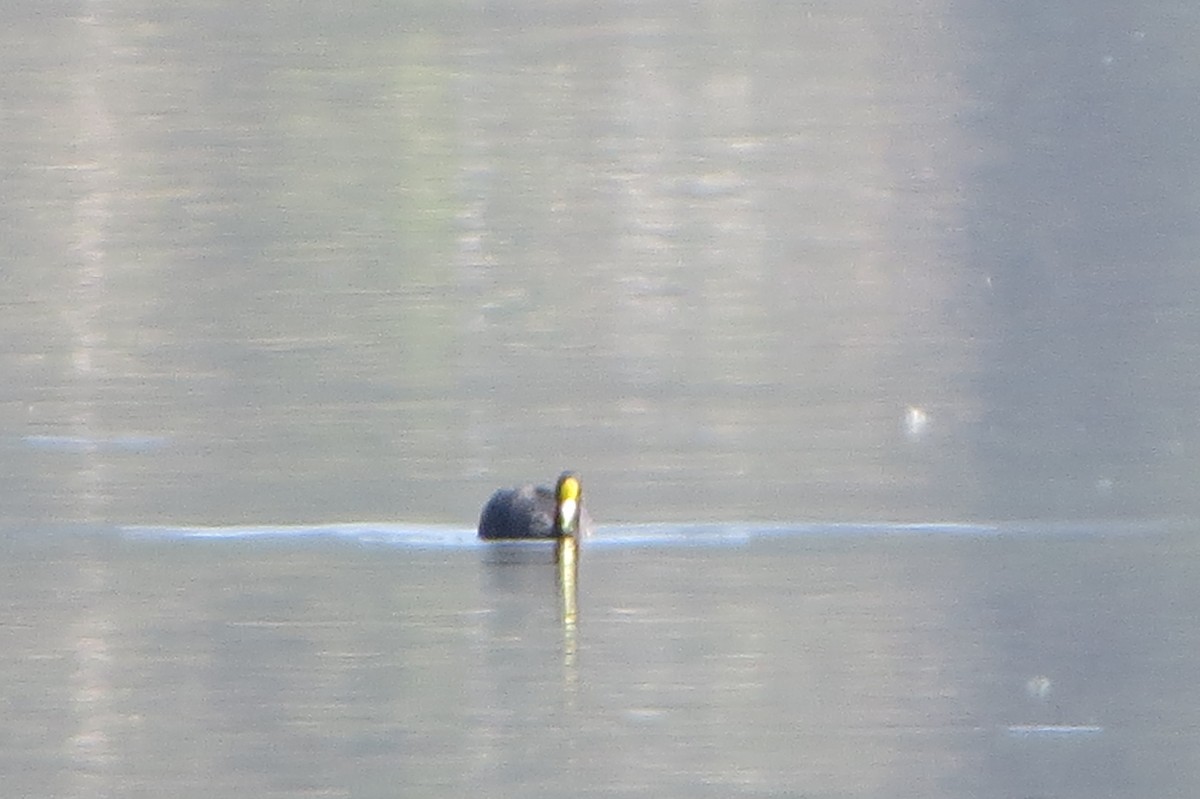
<point x="567" y="560"/>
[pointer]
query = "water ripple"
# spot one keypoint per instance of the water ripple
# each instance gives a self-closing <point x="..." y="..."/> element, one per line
<point x="424" y="536"/>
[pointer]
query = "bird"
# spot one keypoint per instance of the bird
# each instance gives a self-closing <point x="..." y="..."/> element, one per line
<point x="536" y="512"/>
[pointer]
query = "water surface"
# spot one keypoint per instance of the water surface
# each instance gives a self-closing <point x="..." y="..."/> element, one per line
<point x="883" y="663"/>
<point x="858" y="263"/>
<point x="871" y="328"/>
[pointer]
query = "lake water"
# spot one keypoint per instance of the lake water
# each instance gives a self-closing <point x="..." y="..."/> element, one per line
<point x="813" y="661"/>
<point x="872" y="330"/>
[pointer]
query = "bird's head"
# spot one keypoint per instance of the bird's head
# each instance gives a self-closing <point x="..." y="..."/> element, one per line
<point x="568" y="498"/>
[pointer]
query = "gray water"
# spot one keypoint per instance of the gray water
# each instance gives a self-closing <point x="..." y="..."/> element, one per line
<point x="880" y="663"/>
<point x="870" y="327"/>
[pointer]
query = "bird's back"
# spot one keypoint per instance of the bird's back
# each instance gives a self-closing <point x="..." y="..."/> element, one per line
<point x="524" y="512"/>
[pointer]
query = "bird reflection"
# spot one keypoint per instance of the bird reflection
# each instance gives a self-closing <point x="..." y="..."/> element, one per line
<point x="567" y="558"/>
